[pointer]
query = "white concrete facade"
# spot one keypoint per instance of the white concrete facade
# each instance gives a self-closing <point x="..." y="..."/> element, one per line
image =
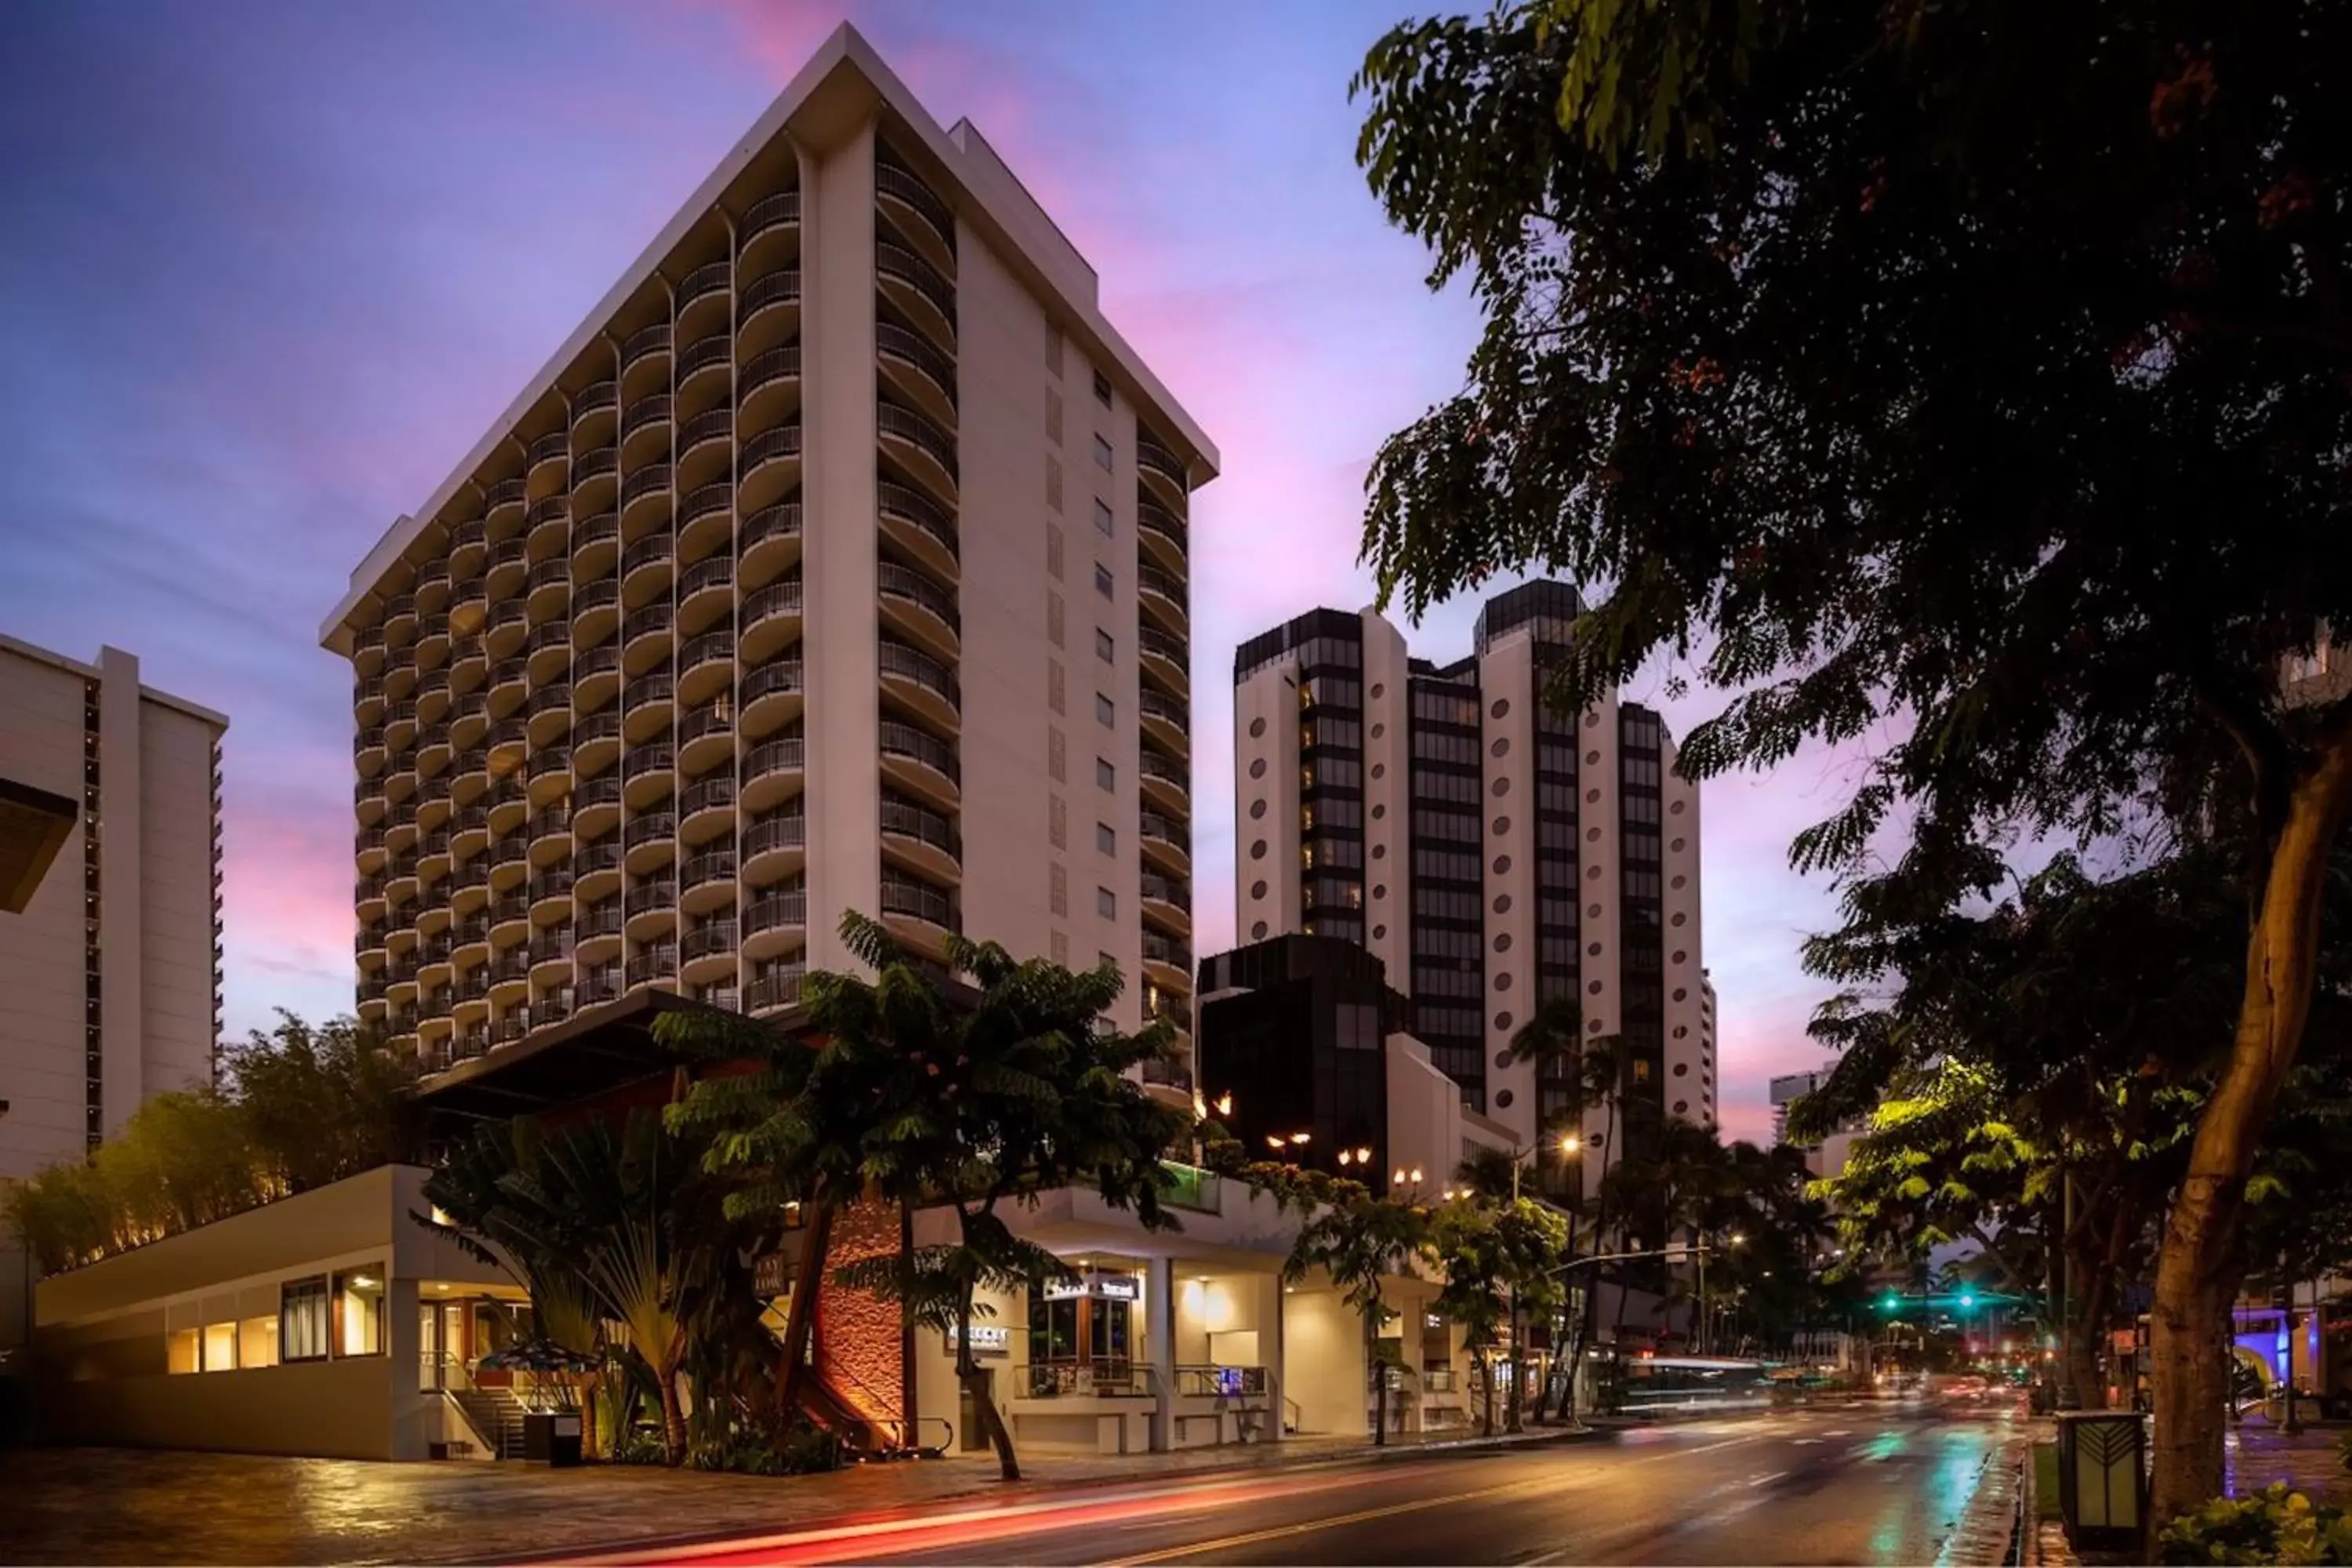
<point x="112" y="988"/>
<point x="839" y="562"/>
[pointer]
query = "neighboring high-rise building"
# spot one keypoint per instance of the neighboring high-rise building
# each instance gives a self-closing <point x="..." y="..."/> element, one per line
<point x="1492" y="853"/>
<point x="1786" y="1090"/>
<point x="838" y="562"/>
<point x="1827" y="1156"/>
<point x="113" y="970"/>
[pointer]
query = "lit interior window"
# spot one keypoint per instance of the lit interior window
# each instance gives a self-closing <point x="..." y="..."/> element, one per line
<point x="220" y="1347"/>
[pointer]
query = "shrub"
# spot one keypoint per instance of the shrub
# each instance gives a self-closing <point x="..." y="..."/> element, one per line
<point x="2343" y="1450"/>
<point x="2274" y="1525"/>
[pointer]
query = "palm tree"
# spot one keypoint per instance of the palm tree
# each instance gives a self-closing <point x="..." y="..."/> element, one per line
<point x="1002" y="1088"/>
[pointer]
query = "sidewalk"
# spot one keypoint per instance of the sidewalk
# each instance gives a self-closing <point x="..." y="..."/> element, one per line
<point x="2257" y="1454"/>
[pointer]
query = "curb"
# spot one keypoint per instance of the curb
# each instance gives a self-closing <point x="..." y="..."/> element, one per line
<point x="1000" y="1490"/>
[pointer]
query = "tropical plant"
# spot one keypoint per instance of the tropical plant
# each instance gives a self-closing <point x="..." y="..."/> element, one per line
<point x="1358" y="1242"/>
<point x="986" y="1092"/>
<point x="300" y="1107"/>
<point x="2274" y="1525"/>
<point x="1491" y="1254"/>
<point x="1979" y="404"/>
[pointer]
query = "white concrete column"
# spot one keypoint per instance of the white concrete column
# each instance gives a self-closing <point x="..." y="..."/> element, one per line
<point x="1269" y="1350"/>
<point x="1159" y="1349"/>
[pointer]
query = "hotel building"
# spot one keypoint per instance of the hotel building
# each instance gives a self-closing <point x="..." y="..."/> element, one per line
<point x="112" y="968"/>
<point x="1492" y="853"/>
<point x="837" y="561"/>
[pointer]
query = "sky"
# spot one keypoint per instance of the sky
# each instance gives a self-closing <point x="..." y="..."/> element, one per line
<point x="270" y="267"/>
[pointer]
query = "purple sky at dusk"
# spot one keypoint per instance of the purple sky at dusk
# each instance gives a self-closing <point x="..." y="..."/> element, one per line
<point x="271" y="269"/>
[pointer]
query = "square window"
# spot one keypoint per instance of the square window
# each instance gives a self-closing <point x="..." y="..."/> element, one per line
<point x="1105" y="584"/>
<point x="1106" y="838"/>
<point x="1106" y="903"/>
<point x="1105" y="776"/>
<point x="1104" y="648"/>
<point x="1106" y="710"/>
<point x="359" y="1312"/>
<point x="302" y="1319"/>
<point x="1104" y="521"/>
<point x="1102" y="389"/>
<point x="1102" y="454"/>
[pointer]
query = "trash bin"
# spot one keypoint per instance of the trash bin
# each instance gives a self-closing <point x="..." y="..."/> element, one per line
<point x="2102" y="1478"/>
<point x="552" y="1438"/>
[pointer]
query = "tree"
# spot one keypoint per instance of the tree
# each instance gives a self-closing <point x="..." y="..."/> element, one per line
<point x="1360" y="1241"/>
<point x="1488" y="1250"/>
<point x="325" y="1102"/>
<point x="996" y="1092"/>
<point x="1966" y="382"/>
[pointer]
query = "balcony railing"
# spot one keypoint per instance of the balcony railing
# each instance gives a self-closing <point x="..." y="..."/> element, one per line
<point x="911" y="508"/>
<point x="897" y="343"/>
<point x="910" y="819"/>
<point x="898" y="582"/>
<point x="779" y="911"/>
<point x="710" y="501"/>
<point x="892" y="180"/>
<point x="787" y="755"/>
<point x="654" y="478"/>
<point x="769" y="524"/>
<point x="918" y="745"/>
<point x="779" y="287"/>
<point x="779" y="211"/>
<point x="783" y="441"/>
<point x="896" y="261"/>
<point x="778" y="830"/>
<point x="910" y="896"/>
<point x="1157" y="949"/>
<point x="918" y="432"/>
<point x="1154" y="459"/>
<point x="652" y="340"/>
<point x="896" y="658"/>
<point x="781" y="676"/>
<point x="702" y="282"/>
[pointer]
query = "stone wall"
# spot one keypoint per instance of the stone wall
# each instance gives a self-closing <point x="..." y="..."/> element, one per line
<point x="857" y="1335"/>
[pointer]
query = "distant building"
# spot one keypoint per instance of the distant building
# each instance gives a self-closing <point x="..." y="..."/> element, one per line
<point x="1827" y="1156"/>
<point x="1492" y="853"/>
<point x="112" y="969"/>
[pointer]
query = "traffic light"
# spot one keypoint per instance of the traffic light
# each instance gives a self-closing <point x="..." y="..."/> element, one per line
<point x="1890" y="1303"/>
<point x="1968" y="1299"/>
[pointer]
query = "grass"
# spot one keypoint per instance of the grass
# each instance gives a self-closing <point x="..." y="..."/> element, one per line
<point x="2045" y="1480"/>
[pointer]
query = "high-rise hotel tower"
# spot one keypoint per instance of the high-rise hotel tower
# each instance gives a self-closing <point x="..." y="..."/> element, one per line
<point x="1492" y="853"/>
<point x="838" y="561"/>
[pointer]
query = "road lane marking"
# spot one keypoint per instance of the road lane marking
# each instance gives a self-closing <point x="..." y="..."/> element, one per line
<point x="1306" y="1527"/>
<point x="1767" y="1479"/>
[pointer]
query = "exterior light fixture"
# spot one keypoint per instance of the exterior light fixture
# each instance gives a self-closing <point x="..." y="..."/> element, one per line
<point x="1272" y="1141"/>
<point x="1416" y="1172"/>
<point x="1739" y="1238"/>
<point x="1397" y="1179"/>
<point x="1226" y="1103"/>
<point x="1347" y="1157"/>
<point x="1301" y="1137"/>
<point x="1363" y="1155"/>
<point x="1570" y="1143"/>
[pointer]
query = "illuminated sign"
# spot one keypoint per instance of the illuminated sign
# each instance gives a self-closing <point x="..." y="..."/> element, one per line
<point x="1099" y="1285"/>
<point x="987" y="1339"/>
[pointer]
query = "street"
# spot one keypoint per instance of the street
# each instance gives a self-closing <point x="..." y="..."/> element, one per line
<point x="1865" y="1484"/>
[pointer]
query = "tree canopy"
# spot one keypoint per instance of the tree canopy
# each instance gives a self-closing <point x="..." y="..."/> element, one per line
<point x="1965" y="384"/>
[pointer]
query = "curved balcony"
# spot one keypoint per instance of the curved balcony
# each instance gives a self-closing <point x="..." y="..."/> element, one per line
<point x="597" y="988"/>
<point x="919" y="446"/>
<point x="644" y="500"/>
<point x="645" y="429"/>
<point x="598" y="928"/>
<point x="698" y="290"/>
<point x="468" y="540"/>
<point x="921" y="762"/>
<point x="549" y="535"/>
<point x="777" y="988"/>
<point x="368" y="753"/>
<point x="595" y="480"/>
<point x="1167" y="840"/>
<point x="547" y="653"/>
<point x="433" y="857"/>
<point x="768" y="467"/>
<point x="1168" y="901"/>
<point x="767" y="386"/>
<point x="646" y="634"/>
<point x="549" y="831"/>
<point x="918" y="527"/>
<point x="595" y="548"/>
<point x="644" y="359"/>
<point x="368" y="845"/>
<point x="470" y="830"/>
<point x="920" y="681"/>
<point x="502" y="505"/>
<point x="400" y="731"/>
<point x="550" y="949"/>
<point x="399" y="620"/>
<point x="768" y="313"/>
<point x="706" y="736"/>
<point x="769" y="618"/>
<point x="549" y="769"/>
<point x="1165" y="719"/>
<point x="469" y="939"/>
<point x="769" y="540"/>
<point x="511" y="918"/>
<point x="920" y="607"/>
<point x="432" y="695"/>
<point x="1167" y="961"/>
<point x="704" y="443"/>
<point x="1162" y="534"/>
<point x="469" y="887"/>
<point x="918" y="911"/>
<point x="551" y="894"/>
<point x="432" y="639"/>
<point x="432" y="589"/>
<point x="705" y="518"/>
<point x="923" y="376"/>
<point x="595" y="738"/>
<point x="367" y="892"/>
<point x="707" y="807"/>
<point x="368" y="945"/>
<point x="902" y="192"/>
<point x="368" y="651"/>
<point x="711" y="866"/>
<point x="469" y="608"/>
<point x="645" y="567"/>
<point x="1164" y="658"/>
<point x="646" y="703"/>
<point x="776" y="922"/>
<point x="770" y="695"/>
<point x="706" y="589"/>
<point x="920" y="291"/>
<point x="706" y="357"/>
<point x="591" y="797"/>
<point x="1167" y="781"/>
<point x="923" y="839"/>
<point x="596" y="863"/>
<point x="1163" y="469"/>
<point x="774" y="844"/>
<point x="648" y="774"/>
<point x="508" y="805"/>
<point x="510" y="679"/>
<point x="1162" y="593"/>
<point x="545" y="452"/>
<point x="400" y="679"/>
<point x="592" y="413"/>
<point x="400" y="883"/>
<point x="433" y="751"/>
<point x="548" y="596"/>
<point x="707" y="951"/>
<point x="656" y="965"/>
<point x="773" y="771"/>
<point x="595" y="613"/>
<point x="368" y="801"/>
<point x="766" y="223"/>
<point x="651" y="907"/>
<point x="506" y="979"/>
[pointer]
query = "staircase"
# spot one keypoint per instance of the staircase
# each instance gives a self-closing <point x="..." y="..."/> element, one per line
<point x="495" y="1417"/>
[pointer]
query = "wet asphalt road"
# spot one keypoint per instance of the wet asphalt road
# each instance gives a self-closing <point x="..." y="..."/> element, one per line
<point x="1864" y="1485"/>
